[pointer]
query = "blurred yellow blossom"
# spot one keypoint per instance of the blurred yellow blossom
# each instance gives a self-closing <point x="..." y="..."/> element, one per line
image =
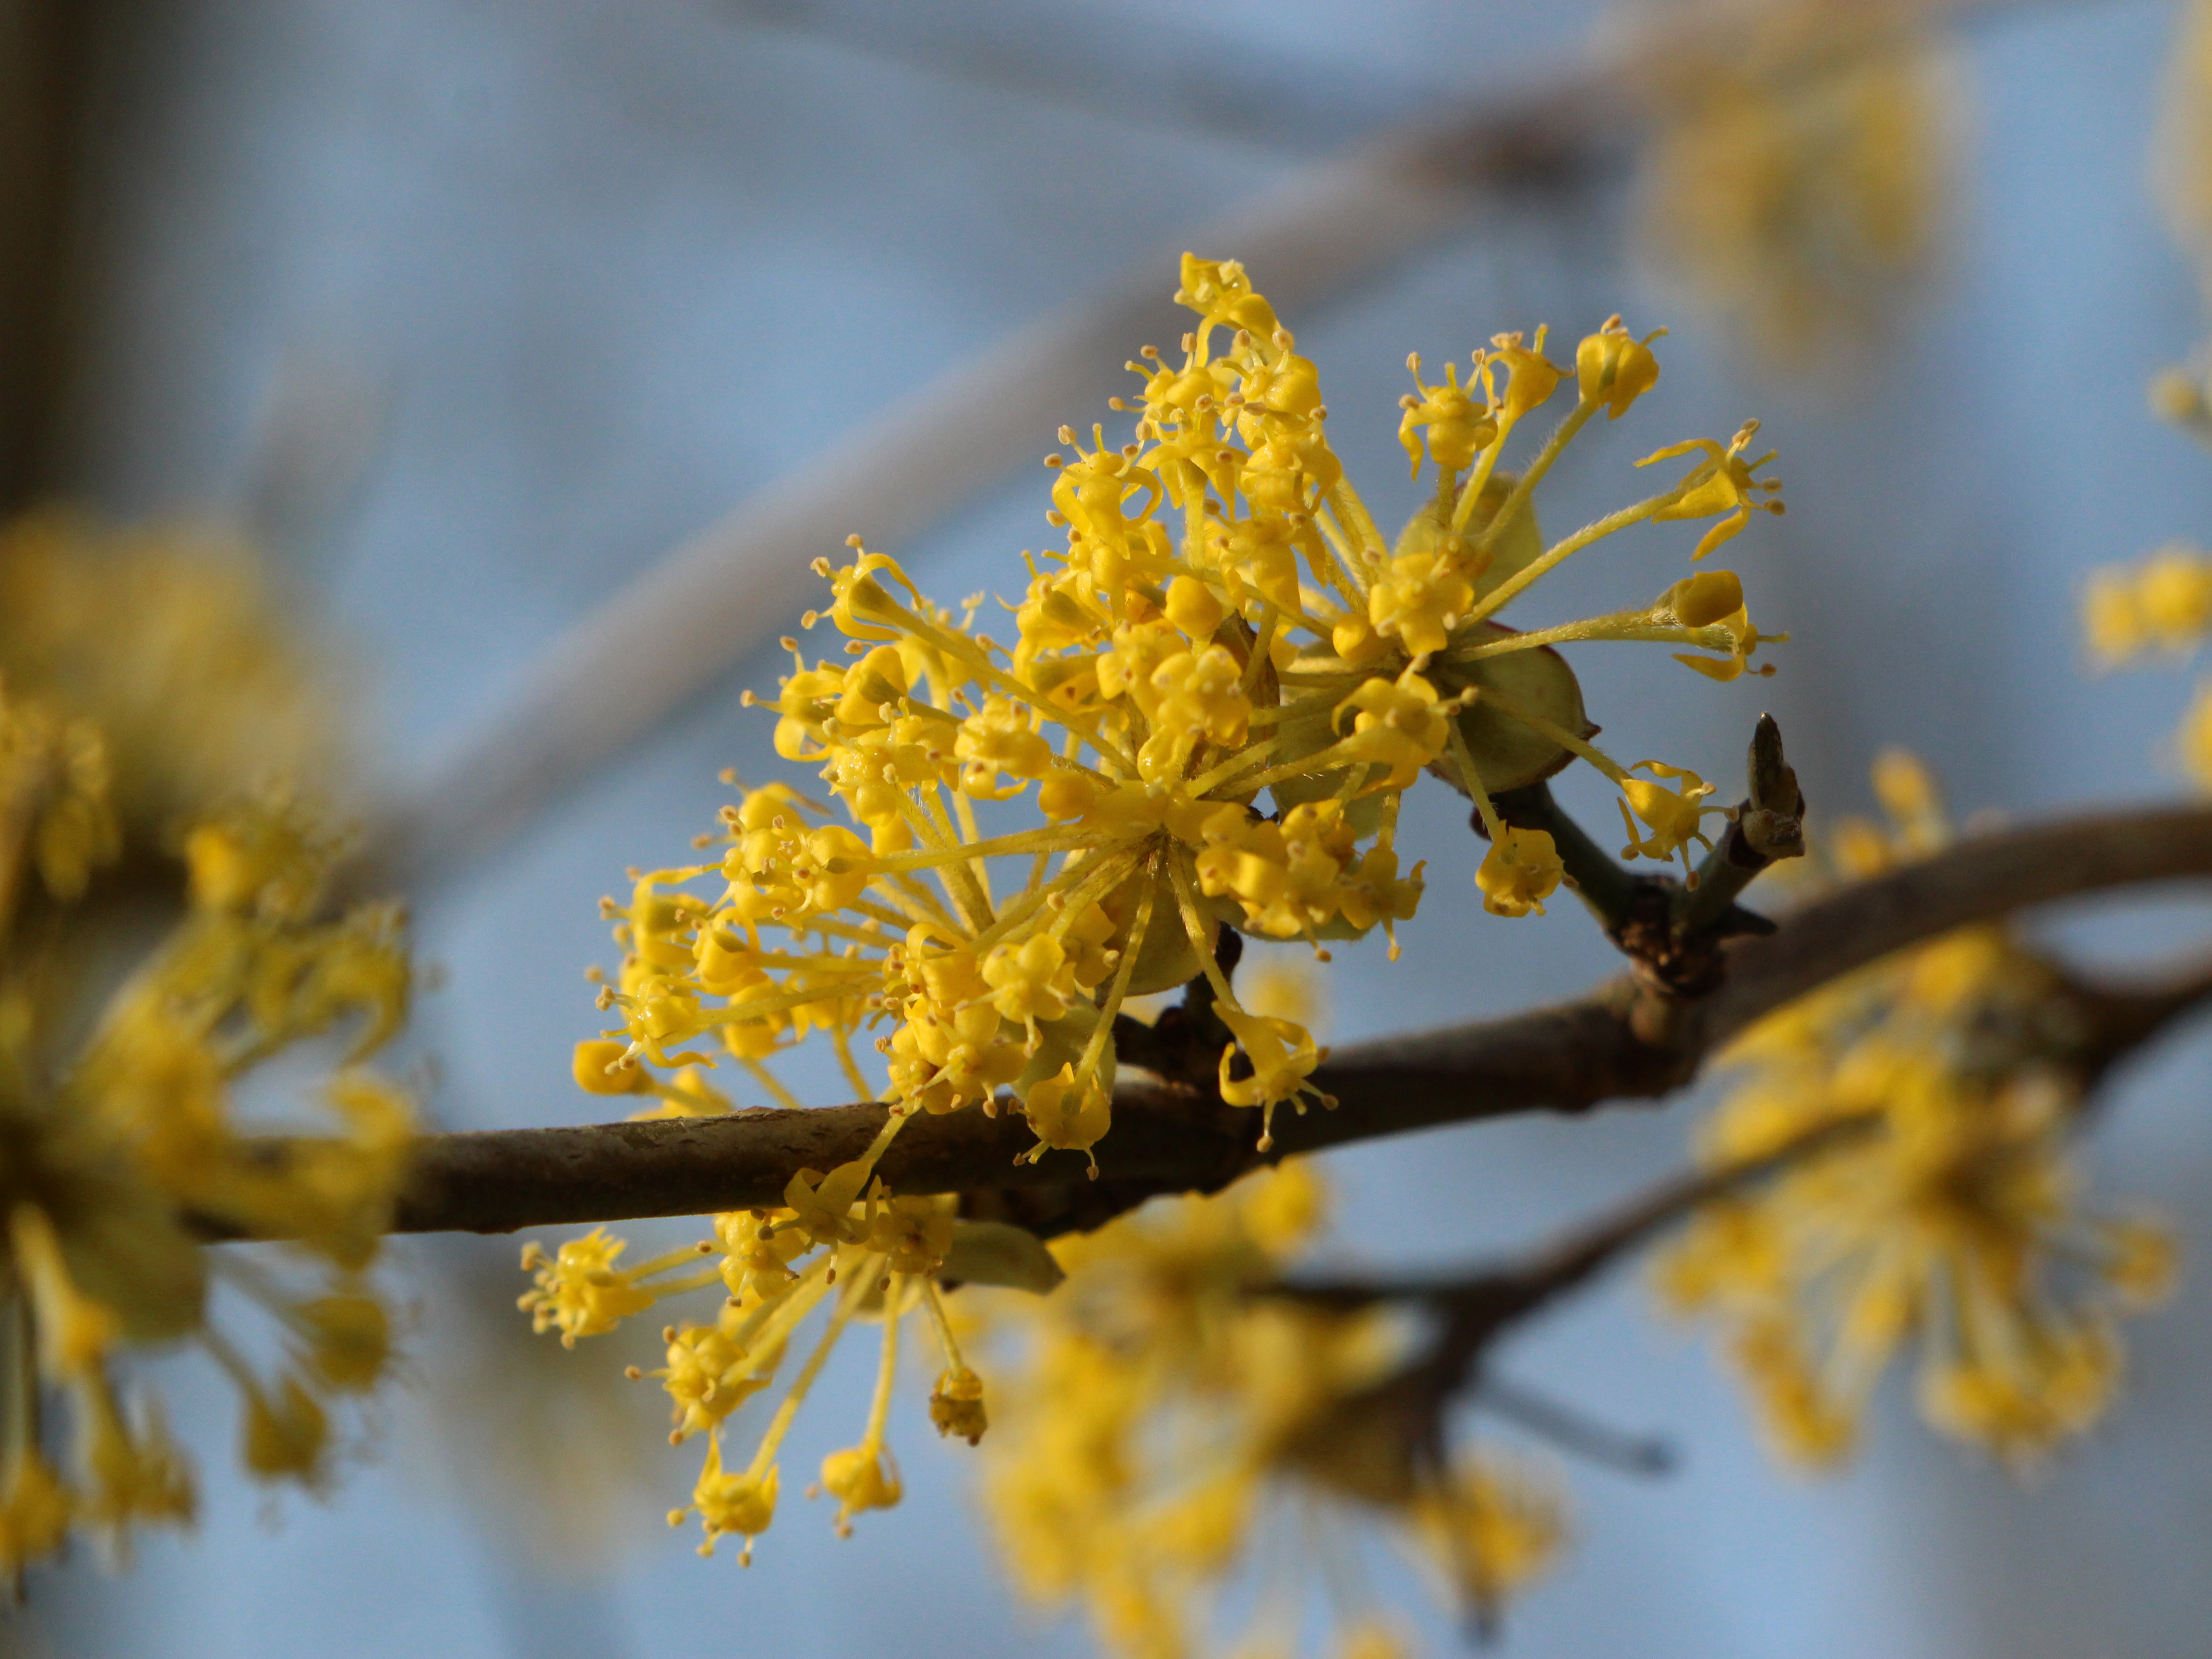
<point x="1953" y="1223"/>
<point x="170" y="640"/>
<point x="2161" y="604"/>
<point x="1799" y="174"/>
<point x="130" y="673"/>
<point x="1154" y="1414"/>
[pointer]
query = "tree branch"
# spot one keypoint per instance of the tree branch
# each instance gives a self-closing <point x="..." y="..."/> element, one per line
<point x="1620" y="1042"/>
<point x="1481" y="1299"/>
<point x="1401" y="1420"/>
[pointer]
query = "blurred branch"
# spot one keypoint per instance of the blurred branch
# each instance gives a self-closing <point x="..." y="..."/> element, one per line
<point x="1623" y="1041"/>
<point x="1186" y="80"/>
<point x="1404" y="1414"/>
<point x="1401" y="1422"/>
<point x="1476" y="1302"/>
<point x="45" y="60"/>
<point x="685" y="621"/>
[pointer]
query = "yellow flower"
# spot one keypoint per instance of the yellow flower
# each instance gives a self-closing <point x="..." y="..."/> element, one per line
<point x="1519" y="872"/>
<point x="1282" y="1057"/>
<point x="956" y="1406"/>
<point x="743" y="1504"/>
<point x="1613" y="368"/>
<point x="1420" y="599"/>
<point x="285" y="1436"/>
<point x="1459" y="426"/>
<point x="1399" y="724"/>
<point x="860" y="1478"/>
<point x="1674" y="815"/>
<point x="1711" y="602"/>
<point x="822" y="1205"/>
<point x="2174" y="593"/>
<point x="912" y="1234"/>
<point x="579" y="1290"/>
<point x="1031" y="980"/>
<point x="35" y="1511"/>
<point x="2163" y="603"/>
<point x="1531" y="379"/>
<point x="350" y="1339"/>
<point x="1067" y="1115"/>
<point x="602" y="1067"/>
<point x="1721" y="483"/>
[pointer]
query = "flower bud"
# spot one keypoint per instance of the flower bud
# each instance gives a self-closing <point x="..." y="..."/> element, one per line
<point x="598" y="1070"/>
<point x="1614" y="367"/>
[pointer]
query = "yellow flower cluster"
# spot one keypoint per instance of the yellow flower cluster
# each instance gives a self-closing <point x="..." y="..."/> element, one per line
<point x="124" y="1152"/>
<point x="871" y="1258"/>
<point x="1216" y="692"/>
<point x="1225" y="620"/>
<point x="1157" y="1414"/>
<point x="1797" y="177"/>
<point x="2162" y="604"/>
<point x="1951" y="1222"/>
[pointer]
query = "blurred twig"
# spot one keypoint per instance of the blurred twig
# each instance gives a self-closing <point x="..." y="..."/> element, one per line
<point x="685" y="621"/>
<point x="1476" y="1302"/>
<point x="1186" y="80"/>
<point x="1405" y="1412"/>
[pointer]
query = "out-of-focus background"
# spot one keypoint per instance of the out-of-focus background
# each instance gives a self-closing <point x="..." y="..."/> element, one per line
<point x="474" y="313"/>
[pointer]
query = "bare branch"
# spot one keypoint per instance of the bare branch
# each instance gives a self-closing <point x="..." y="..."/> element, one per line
<point x="1403" y="1417"/>
<point x="1482" y="1298"/>
<point x="1621" y="1041"/>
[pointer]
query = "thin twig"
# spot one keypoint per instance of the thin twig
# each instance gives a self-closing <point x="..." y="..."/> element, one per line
<point x="687" y="619"/>
<point x="1515" y="1288"/>
<point x="1403" y="1416"/>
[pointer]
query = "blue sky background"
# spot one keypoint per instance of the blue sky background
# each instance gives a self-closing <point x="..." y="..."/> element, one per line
<point x="600" y="272"/>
